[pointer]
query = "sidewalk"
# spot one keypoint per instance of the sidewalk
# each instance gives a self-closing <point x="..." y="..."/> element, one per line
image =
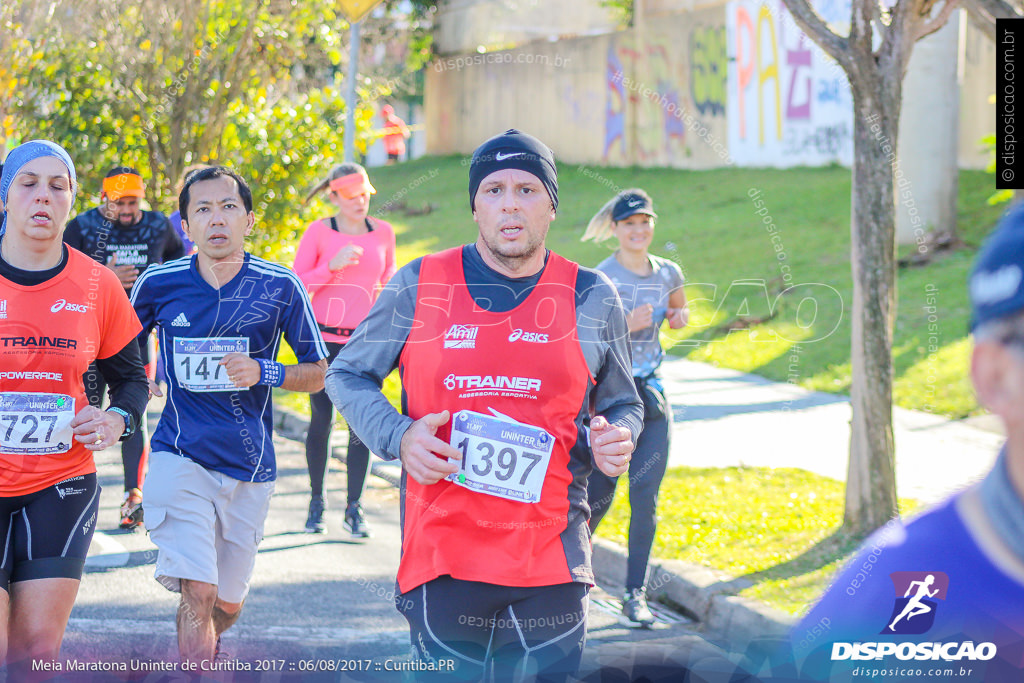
<point x="725" y="417"/>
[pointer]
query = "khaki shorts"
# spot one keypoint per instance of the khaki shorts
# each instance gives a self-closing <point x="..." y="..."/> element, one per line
<point x="206" y="526"/>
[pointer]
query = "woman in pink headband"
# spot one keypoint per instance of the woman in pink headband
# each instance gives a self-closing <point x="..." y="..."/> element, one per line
<point x="344" y="261"/>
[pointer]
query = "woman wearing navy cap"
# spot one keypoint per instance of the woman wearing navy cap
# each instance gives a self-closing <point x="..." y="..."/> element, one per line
<point x="651" y="289"/>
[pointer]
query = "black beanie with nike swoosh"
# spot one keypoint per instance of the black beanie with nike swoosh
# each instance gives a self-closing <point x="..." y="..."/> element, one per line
<point x="513" y="149"/>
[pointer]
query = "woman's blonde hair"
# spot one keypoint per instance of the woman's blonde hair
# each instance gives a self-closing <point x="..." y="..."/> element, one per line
<point x="343" y="169"/>
<point x="601" y="225"/>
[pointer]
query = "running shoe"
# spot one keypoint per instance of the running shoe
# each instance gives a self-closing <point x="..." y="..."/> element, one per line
<point x="218" y="654"/>
<point x="315" y="523"/>
<point x="131" y="510"/>
<point x="354" y="521"/>
<point x="634" y="608"/>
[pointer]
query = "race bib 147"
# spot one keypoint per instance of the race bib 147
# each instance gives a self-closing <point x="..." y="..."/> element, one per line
<point x="197" y="362"/>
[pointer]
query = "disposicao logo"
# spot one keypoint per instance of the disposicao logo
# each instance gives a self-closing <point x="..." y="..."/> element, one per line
<point x="916" y="604"/>
<point x="917" y="596"/>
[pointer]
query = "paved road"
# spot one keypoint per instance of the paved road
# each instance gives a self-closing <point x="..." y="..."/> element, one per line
<point x="317" y="600"/>
<point x="327" y="600"/>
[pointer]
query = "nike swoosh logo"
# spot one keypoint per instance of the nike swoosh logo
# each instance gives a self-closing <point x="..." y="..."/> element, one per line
<point x="635" y="202"/>
<point x="501" y="157"/>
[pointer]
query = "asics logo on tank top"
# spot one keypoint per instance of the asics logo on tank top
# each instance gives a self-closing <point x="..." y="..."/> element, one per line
<point x="461" y="337"/>
<point x="535" y="337"/>
<point x="62" y="304"/>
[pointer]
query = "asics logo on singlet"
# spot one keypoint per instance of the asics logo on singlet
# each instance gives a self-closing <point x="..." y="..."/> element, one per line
<point x="461" y="337"/>
<point x="62" y="304"/>
<point x="521" y="385"/>
<point x="535" y="337"/>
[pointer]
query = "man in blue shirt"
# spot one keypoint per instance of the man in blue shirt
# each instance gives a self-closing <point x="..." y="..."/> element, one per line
<point x="220" y="315"/>
<point x="942" y="597"/>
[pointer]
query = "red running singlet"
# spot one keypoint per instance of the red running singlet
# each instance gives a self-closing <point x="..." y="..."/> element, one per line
<point x="526" y="364"/>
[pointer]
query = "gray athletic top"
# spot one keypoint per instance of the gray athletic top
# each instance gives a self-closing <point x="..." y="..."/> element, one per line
<point x="636" y="290"/>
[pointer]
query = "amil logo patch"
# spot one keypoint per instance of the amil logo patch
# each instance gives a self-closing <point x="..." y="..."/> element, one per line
<point x="917" y="601"/>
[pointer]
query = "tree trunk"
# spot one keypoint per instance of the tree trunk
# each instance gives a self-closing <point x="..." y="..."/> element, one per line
<point x="875" y="70"/>
<point x="871" y="480"/>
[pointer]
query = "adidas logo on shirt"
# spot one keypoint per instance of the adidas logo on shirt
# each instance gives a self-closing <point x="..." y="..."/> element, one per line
<point x="180" y="321"/>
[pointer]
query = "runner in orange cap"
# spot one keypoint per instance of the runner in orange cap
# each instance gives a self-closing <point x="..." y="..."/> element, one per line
<point x="121" y="235"/>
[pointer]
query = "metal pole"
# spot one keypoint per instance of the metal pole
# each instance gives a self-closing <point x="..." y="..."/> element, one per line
<point x="350" y="95"/>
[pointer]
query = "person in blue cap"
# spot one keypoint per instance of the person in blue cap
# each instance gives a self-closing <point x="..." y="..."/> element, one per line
<point x="969" y="550"/>
<point x="651" y="289"/>
<point x="59" y="312"/>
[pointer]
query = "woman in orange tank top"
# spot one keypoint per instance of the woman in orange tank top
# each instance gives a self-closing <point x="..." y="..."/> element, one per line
<point x="60" y="311"/>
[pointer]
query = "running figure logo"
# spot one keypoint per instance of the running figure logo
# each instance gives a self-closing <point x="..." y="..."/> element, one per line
<point x="914" y="612"/>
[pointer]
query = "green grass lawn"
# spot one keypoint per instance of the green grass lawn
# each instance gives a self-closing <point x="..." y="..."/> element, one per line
<point x="707" y="223"/>
<point x="776" y="527"/>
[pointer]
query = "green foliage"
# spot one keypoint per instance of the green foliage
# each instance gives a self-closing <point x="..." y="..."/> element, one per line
<point x="151" y="83"/>
<point x="999" y="196"/>
<point x="622" y="9"/>
<point x="286" y="148"/>
<point x="255" y="84"/>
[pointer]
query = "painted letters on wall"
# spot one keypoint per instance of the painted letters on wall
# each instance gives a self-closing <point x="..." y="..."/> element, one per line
<point x="788" y="103"/>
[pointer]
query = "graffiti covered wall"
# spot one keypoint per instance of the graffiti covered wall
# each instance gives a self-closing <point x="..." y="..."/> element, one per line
<point x="665" y="94"/>
<point x="791" y="103"/>
<point x="734" y="83"/>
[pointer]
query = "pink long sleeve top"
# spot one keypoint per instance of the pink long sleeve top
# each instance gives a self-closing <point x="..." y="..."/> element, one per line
<point x="342" y="298"/>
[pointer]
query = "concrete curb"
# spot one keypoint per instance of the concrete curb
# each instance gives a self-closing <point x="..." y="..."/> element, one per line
<point x="702" y="593"/>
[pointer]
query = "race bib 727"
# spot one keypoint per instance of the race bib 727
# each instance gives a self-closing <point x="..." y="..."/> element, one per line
<point x="33" y="423"/>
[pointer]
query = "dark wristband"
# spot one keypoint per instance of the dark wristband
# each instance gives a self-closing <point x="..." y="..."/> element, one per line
<point x="129" y="422"/>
